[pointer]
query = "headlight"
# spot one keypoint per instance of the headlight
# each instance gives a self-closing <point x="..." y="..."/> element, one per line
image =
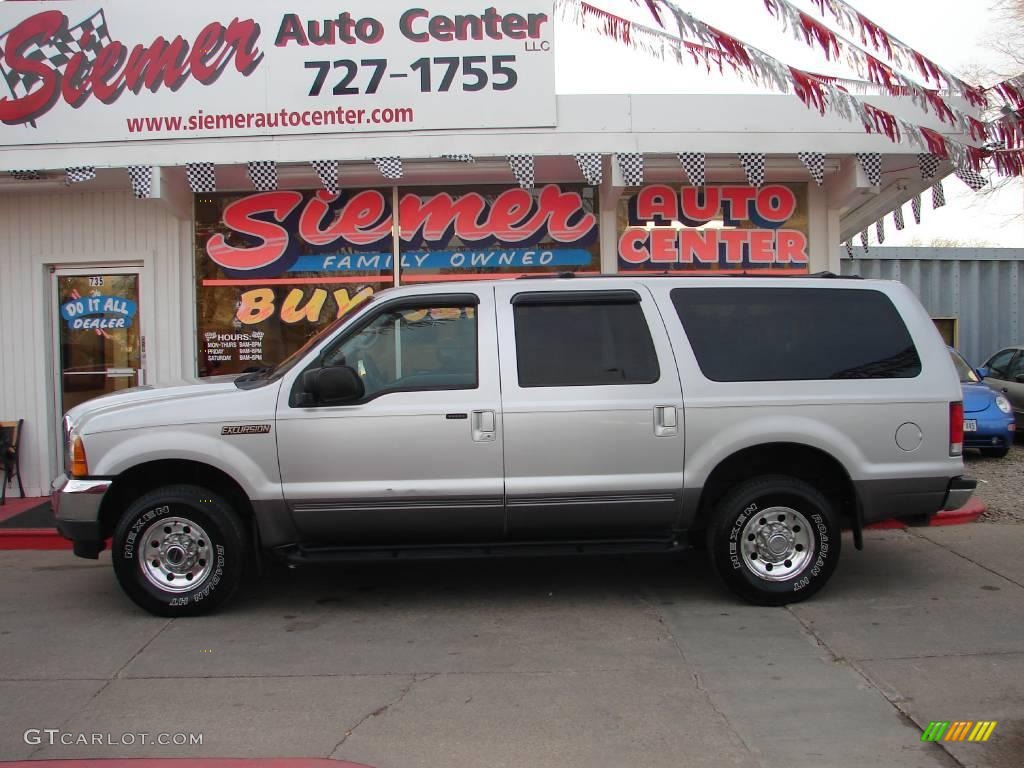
<point x="1003" y="404"/>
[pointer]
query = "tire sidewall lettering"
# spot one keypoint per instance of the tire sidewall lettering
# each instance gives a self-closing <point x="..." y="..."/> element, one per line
<point x="141" y="522"/>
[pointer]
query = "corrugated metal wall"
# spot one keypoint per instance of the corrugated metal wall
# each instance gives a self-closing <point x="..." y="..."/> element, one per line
<point x="981" y="286"/>
<point x="76" y="229"/>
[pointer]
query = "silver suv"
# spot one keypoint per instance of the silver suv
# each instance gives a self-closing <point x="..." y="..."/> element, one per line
<point x="758" y="416"/>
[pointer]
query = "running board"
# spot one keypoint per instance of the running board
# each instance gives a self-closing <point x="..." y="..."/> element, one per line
<point x="304" y="555"/>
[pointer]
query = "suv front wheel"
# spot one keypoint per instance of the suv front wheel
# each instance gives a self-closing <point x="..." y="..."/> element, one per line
<point x="774" y="540"/>
<point x="179" y="551"/>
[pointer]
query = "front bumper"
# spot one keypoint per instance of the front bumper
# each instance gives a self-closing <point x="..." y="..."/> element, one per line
<point x="76" y="505"/>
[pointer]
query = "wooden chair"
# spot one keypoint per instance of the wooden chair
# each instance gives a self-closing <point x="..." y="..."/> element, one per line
<point x="10" y="436"/>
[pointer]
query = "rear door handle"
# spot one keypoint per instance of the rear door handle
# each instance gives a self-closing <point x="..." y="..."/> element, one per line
<point x="484" y="426"/>
<point x="666" y="421"/>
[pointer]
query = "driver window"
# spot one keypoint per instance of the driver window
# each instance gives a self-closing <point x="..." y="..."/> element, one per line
<point x="998" y="364"/>
<point x="413" y="349"/>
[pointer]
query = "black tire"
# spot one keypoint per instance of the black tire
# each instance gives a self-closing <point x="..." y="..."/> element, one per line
<point x="995" y="453"/>
<point x="743" y="512"/>
<point x="215" y="528"/>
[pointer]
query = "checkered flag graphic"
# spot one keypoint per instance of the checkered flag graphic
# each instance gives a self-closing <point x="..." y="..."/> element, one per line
<point x="929" y="165"/>
<point x="460" y="158"/>
<point x="632" y="166"/>
<point x="871" y="162"/>
<point x="327" y="172"/>
<point x="263" y="175"/>
<point x="880" y="230"/>
<point x="80" y="173"/>
<point x="201" y="177"/>
<point x="523" y="169"/>
<point x="815" y="163"/>
<point x="694" y="165"/>
<point x="389" y="167"/>
<point x="864" y="240"/>
<point x="971" y="178"/>
<point x="938" y="195"/>
<point x="26" y="175"/>
<point x="849" y="249"/>
<point x="87" y="37"/>
<point x="753" y="164"/>
<point x="915" y="207"/>
<point x="591" y="166"/>
<point x="142" y="180"/>
<point x="897" y="217"/>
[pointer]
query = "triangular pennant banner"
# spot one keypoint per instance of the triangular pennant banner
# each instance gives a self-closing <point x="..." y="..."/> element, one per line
<point x="897" y="217"/>
<point x="263" y="175"/>
<point x="695" y="166"/>
<point x="522" y="169"/>
<point x="26" y="175"/>
<point x="880" y="230"/>
<point x="849" y="249"/>
<point x="201" y="177"/>
<point x="632" y="166"/>
<point x="79" y="174"/>
<point x="915" y="206"/>
<point x="141" y="177"/>
<point x="929" y="165"/>
<point x="871" y="162"/>
<point x="460" y="158"/>
<point x="327" y="172"/>
<point x="864" y="240"/>
<point x="389" y="167"/>
<point x="938" y="195"/>
<point x="753" y="163"/>
<point x="815" y="162"/>
<point x="591" y="166"/>
<point x="971" y="178"/>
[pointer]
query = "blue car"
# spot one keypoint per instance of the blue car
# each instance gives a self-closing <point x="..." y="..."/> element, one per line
<point x="988" y="417"/>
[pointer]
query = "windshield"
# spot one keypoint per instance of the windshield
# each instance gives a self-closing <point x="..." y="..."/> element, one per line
<point x="963" y="370"/>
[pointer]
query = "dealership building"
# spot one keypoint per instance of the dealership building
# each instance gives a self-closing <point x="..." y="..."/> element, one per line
<point x="196" y="190"/>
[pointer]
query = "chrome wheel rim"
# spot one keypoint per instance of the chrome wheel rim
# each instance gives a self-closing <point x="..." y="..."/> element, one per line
<point x="176" y="554"/>
<point x="776" y="544"/>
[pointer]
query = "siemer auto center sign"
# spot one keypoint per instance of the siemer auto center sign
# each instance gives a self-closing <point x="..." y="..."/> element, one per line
<point x="113" y="70"/>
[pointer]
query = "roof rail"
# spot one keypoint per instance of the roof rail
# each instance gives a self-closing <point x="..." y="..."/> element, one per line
<point x="760" y="273"/>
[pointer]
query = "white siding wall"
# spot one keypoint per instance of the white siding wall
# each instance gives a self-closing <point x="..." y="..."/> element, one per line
<point x="40" y="231"/>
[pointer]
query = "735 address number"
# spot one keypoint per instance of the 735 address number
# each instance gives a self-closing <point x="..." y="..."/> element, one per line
<point x="438" y="74"/>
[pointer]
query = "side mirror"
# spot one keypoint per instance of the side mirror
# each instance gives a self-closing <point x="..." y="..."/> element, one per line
<point x="982" y="372"/>
<point x="338" y="383"/>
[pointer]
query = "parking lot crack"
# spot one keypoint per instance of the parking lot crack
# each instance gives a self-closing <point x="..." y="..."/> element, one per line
<point x="383" y="709"/>
<point x="965" y="557"/>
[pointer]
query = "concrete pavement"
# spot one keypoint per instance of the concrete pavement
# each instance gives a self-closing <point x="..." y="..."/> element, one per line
<point x="568" y="663"/>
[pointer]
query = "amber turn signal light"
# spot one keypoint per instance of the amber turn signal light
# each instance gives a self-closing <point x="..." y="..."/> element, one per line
<point x="79" y="464"/>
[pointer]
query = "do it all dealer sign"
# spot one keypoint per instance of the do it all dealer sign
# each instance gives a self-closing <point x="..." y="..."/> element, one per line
<point x="115" y="70"/>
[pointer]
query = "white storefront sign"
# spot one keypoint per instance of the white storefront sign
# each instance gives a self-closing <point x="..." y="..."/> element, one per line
<point x="114" y="70"/>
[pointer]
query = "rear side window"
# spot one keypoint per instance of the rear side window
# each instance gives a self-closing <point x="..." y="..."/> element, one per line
<point x="795" y="334"/>
<point x="573" y="343"/>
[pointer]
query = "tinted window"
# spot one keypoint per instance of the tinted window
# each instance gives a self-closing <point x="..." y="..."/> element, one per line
<point x="581" y="345"/>
<point x="1016" y="368"/>
<point x="412" y="348"/>
<point x="999" y="363"/>
<point x="794" y="334"/>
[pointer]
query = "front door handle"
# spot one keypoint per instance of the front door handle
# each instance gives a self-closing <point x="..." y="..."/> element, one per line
<point x="484" y="426"/>
<point x="666" y="421"/>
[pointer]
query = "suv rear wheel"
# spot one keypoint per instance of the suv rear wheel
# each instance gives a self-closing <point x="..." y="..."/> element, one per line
<point x="774" y="540"/>
<point x="179" y="551"/>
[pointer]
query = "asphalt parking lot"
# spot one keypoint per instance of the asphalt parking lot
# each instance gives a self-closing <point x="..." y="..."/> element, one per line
<point x="540" y="663"/>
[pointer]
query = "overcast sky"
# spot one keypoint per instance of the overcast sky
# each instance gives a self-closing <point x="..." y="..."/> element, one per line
<point x="952" y="32"/>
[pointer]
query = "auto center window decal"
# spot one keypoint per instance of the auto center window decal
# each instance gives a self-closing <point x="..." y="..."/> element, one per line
<point x="719" y="229"/>
<point x="273" y="268"/>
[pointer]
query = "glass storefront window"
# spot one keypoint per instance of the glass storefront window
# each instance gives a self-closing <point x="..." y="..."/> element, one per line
<point x="275" y="268"/>
<point x="469" y="233"/>
<point x="717" y="229"/>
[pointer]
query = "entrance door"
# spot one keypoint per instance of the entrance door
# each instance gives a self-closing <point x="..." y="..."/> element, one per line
<point x="99" y="344"/>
